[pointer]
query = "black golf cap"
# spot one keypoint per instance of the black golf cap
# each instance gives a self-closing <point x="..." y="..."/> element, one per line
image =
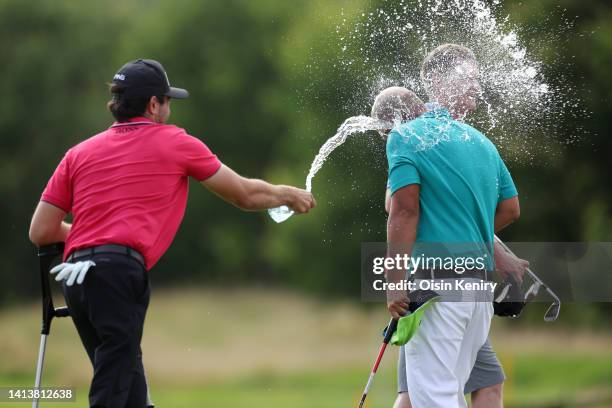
<point x="146" y="77"/>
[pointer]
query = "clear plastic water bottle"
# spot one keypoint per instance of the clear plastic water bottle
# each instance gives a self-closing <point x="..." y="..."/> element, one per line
<point x="280" y="214"/>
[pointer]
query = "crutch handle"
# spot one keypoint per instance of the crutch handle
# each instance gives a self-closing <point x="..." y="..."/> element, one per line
<point x="62" y="311"/>
<point x="51" y="250"/>
<point x="46" y="255"/>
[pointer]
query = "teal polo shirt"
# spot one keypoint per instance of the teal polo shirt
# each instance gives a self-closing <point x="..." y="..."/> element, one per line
<point x="461" y="175"/>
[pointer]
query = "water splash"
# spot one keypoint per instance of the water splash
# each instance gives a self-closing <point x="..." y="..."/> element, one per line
<point x="352" y="125"/>
<point x="524" y="100"/>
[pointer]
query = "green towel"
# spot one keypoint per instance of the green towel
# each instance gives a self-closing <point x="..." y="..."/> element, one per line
<point x="408" y="325"/>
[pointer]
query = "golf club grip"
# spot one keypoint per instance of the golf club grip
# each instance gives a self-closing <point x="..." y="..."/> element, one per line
<point x="391" y="327"/>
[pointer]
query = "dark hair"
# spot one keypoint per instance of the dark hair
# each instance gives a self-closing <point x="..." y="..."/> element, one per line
<point x="124" y="109"/>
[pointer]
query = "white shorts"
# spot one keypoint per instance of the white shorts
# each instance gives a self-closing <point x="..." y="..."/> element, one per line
<point x="440" y="356"/>
<point x="487" y="371"/>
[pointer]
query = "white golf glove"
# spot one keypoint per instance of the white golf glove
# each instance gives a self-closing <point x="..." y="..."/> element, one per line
<point x="72" y="271"/>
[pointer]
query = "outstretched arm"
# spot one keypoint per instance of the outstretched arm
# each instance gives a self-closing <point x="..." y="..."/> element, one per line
<point x="254" y="195"/>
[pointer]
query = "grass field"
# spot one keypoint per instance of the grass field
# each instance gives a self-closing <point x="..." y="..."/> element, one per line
<point x="270" y="348"/>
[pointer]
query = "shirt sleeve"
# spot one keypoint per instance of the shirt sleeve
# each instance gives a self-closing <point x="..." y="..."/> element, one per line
<point x="59" y="188"/>
<point x="403" y="168"/>
<point x="507" y="189"/>
<point x="196" y="158"/>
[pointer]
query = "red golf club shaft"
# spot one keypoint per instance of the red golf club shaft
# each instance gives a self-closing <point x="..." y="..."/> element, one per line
<point x="388" y="333"/>
<point x="371" y="378"/>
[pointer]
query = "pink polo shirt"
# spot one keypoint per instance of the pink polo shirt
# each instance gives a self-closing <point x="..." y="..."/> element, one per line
<point x="128" y="185"/>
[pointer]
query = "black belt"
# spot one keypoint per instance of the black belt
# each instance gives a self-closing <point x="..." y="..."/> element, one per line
<point x="482" y="274"/>
<point x="107" y="249"/>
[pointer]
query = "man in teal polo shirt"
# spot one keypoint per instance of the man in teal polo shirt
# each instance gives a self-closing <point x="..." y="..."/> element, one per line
<point x="485" y="384"/>
<point x="449" y="187"/>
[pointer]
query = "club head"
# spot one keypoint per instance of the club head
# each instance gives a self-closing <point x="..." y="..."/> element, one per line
<point x="553" y="312"/>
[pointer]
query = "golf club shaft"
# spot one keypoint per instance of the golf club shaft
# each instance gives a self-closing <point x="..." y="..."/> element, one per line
<point x="388" y="333"/>
<point x="549" y="290"/>
<point x="39" y="367"/>
<point x="46" y="254"/>
<point x="529" y="271"/>
<point x="383" y="347"/>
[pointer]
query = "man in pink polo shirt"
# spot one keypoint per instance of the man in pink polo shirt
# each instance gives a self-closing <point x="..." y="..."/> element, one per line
<point x="126" y="189"/>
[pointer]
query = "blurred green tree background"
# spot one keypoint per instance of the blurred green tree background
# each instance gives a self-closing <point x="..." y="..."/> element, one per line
<point x="266" y="92"/>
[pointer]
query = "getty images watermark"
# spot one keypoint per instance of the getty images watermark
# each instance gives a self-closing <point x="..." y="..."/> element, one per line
<point x="576" y="271"/>
<point x="448" y="273"/>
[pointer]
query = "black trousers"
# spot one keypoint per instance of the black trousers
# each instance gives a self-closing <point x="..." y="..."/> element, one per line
<point x="108" y="310"/>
